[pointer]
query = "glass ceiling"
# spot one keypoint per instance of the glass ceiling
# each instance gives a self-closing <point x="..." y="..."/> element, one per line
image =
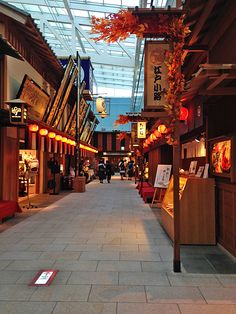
<point x="66" y="26"/>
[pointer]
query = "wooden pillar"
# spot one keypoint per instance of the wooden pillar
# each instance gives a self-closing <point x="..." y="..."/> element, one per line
<point x="176" y="165"/>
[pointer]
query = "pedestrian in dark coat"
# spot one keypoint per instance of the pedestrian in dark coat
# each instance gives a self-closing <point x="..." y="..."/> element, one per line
<point x="108" y="171"/>
<point x="101" y="171"/>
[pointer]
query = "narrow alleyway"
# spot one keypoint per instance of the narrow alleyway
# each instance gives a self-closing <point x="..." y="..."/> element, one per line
<point x="112" y="256"/>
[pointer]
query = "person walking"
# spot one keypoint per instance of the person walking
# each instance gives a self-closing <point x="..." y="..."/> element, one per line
<point x="121" y="166"/>
<point x="130" y="170"/>
<point x="101" y="170"/>
<point x="108" y="171"/>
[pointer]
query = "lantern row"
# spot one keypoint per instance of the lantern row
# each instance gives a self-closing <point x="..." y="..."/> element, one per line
<point x="59" y="138"/>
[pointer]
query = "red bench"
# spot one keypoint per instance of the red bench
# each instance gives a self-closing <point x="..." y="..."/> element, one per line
<point x="8" y="208"/>
<point x="147" y="193"/>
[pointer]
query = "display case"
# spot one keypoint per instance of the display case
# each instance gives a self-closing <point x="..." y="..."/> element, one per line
<point x="197" y="210"/>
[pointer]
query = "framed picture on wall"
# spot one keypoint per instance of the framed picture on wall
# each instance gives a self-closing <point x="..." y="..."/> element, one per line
<point x="222" y="153"/>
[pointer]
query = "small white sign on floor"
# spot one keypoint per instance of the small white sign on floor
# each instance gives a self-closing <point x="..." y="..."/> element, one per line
<point x="44" y="277"/>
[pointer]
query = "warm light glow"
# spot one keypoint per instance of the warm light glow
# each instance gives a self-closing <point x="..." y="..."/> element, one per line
<point x="43" y="132"/>
<point x="148" y="141"/>
<point x="73" y="143"/>
<point x="68" y="141"/>
<point x="33" y="127"/>
<point x="58" y="137"/>
<point x="157" y="133"/>
<point x="51" y="135"/>
<point x="88" y="148"/>
<point x="162" y="129"/>
<point x="183" y="114"/>
<point x="145" y="145"/>
<point x="64" y="139"/>
<point x="153" y="137"/>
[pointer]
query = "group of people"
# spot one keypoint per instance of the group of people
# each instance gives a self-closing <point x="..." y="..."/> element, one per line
<point x="126" y="169"/>
<point x="104" y="171"/>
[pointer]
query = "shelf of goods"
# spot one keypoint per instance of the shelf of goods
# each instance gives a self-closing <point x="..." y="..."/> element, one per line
<point x="197" y="210"/>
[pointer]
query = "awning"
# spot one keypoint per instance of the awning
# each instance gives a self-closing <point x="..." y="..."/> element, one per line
<point x="7" y="49"/>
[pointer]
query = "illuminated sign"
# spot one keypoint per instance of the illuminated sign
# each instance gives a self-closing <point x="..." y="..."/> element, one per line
<point x="141" y="129"/>
<point x="155" y="75"/>
<point x="18" y="113"/>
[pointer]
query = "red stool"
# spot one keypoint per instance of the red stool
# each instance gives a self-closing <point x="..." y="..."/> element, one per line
<point x="148" y="192"/>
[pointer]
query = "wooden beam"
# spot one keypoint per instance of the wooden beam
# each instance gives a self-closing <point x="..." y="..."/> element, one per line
<point x="227" y="17"/>
<point x="217" y="81"/>
<point x="154" y="114"/>
<point x="221" y="91"/>
<point x="201" y="21"/>
<point x="196" y="48"/>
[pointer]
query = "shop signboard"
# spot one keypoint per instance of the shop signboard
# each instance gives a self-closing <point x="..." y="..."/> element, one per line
<point x="87" y="74"/>
<point x="134" y="135"/>
<point x="162" y="176"/>
<point x="18" y="114"/>
<point x="141" y="129"/>
<point x="31" y="93"/>
<point x="155" y="74"/>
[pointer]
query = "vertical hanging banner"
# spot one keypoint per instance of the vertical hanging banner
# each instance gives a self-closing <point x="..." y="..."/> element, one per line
<point x="141" y="129"/>
<point x="155" y="74"/>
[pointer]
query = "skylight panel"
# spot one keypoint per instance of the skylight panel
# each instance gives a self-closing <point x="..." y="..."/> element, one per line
<point x="130" y="3"/>
<point x="113" y="2"/>
<point x="86" y="27"/>
<point x="33" y="8"/>
<point x="95" y="1"/>
<point x="97" y="14"/>
<point x="61" y="11"/>
<point x="79" y="13"/>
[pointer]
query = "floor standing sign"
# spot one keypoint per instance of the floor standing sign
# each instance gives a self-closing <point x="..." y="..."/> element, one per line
<point x="161" y="182"/>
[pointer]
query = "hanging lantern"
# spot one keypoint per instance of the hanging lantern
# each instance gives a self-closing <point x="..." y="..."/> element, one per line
<point x="153" y="137"/>
<point x="58" y="137"/>
<point x="64" y="139"/>
<point x="51" y="135"/>
<point x="43" y="132"/>
<point x="162" y="129"/>
<point x="183" y="114"/>
<point x="18" y="111"/>
<point x="145" y="145"/>
<point x="33" y="127"/>
<point x="100" y="104"/>
<point x="157" y="133"/>
<point x="148" y="141"/>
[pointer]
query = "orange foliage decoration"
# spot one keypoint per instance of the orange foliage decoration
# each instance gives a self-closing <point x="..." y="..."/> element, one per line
<point x="123" y="119"/>
<point x="120" y="25"/>
<point x="117" y="26"/>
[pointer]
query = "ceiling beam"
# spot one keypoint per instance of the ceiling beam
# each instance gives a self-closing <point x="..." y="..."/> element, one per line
<point x="208" y="7"/>
<point x="217" y="81"/>
<point x="226" y="18"/>
<point x="220" y="91"/>
<point x="102" y="8"/>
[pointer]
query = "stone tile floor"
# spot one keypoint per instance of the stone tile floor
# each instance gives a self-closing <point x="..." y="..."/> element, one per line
<point x="113" y="257"/>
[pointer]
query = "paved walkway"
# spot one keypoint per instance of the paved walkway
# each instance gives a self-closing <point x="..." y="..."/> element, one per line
<point x="113" y="258"/>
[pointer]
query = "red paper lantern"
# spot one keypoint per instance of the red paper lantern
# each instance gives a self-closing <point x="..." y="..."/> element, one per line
<point x="58" y="137"/>
<point x="51" y="135"/>
<point x="33" y="127"/>
<point x="43" y="132"/>
<point x="153" y="137"/>
<point x="157" y="133"/>
<point x="183" y="113"/>
<point x="148" y="141"/>
<point x="162" y="129"/>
